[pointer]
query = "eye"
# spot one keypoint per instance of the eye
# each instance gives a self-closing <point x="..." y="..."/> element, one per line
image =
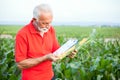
<point x="47" y="23"/>
<point x="43" y="23"/>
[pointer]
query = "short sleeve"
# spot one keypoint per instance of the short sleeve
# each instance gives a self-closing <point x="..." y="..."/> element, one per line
<point x="20" y="47"/>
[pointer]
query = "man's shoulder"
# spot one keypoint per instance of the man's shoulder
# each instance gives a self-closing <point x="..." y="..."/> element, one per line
<point x="24" y="30"/>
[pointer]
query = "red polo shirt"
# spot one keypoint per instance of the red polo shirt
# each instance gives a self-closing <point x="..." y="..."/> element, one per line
<point x="30" y="44"/>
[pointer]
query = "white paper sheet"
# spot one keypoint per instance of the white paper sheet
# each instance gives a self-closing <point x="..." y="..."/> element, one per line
<point x="66" y="46"/>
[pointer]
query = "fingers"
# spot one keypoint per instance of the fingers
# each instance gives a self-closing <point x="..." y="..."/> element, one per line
<point x="55" y="58"/>
<point x="52" y="57"/>
<point x="73" y="54"/>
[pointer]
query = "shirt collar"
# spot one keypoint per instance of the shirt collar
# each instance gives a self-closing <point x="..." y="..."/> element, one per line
<point x="32" y="27"/>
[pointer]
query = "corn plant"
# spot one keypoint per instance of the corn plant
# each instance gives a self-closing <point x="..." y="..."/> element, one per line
<point x="8" y="69"/>
<point x="97" y="60"/>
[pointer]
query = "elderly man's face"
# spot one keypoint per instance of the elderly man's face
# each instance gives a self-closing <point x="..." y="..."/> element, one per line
<point x="45" y="20"/>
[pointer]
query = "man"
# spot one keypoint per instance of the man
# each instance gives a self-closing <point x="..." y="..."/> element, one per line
<point x="35" y="44"/>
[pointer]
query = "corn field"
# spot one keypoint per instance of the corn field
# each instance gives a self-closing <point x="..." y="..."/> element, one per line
<point x="96" y="60"/>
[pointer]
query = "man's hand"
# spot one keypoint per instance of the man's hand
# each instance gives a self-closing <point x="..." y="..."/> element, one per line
<point x="73" y="54"/>
<point x="52" y="57"/>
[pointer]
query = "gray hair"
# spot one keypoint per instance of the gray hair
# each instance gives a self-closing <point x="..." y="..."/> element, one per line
<point x="41" y="8"/>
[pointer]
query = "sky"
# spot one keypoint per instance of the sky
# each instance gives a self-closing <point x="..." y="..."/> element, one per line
<point x="63" y="10"/>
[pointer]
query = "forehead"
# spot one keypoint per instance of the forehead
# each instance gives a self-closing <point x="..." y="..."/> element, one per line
<point x="46" y="16"/>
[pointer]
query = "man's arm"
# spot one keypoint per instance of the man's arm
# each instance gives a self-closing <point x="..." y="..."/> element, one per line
<point x="27" y="63"/>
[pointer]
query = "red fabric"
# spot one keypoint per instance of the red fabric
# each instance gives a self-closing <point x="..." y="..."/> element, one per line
<point x="30" y="44"/>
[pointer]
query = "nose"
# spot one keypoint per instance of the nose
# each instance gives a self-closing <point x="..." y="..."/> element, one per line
<point x="47" y="25"/>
